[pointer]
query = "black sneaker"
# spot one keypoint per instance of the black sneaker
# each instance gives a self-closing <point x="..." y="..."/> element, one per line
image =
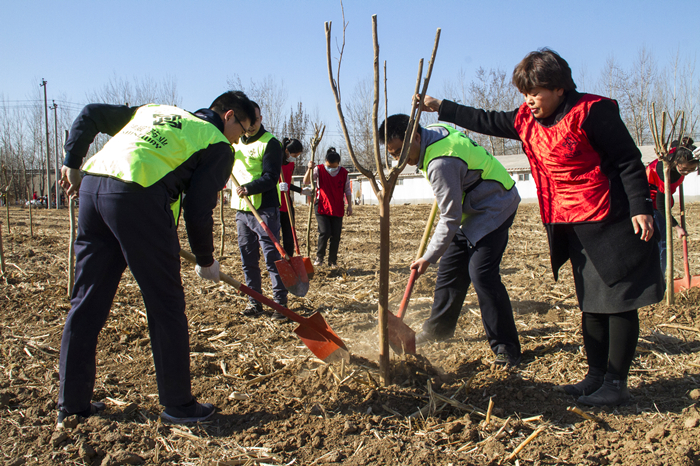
<point x="503" y="359"/>
<point x="190" y="412"/>
<point x="252" y="310"/>
<point x="95" y="408"/>
<point x="279" y="317"/>
<point x="424" y="337"/>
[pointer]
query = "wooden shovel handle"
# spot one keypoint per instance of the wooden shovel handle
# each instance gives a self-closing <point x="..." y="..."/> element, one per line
<point x="428" y="229"/>
<point x="262" y="223"/>
<point x="421" y="251"/>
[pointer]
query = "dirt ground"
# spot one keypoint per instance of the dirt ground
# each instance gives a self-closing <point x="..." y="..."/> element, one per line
<point x="278" y="404"/>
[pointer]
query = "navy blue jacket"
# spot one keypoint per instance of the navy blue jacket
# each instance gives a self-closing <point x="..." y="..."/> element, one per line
<point x="201" y="177"/>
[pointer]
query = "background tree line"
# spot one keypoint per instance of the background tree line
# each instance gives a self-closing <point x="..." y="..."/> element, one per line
<point x="674" y="85"/>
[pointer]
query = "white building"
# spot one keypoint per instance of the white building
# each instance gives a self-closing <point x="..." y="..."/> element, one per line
<point x="413" y="188"/>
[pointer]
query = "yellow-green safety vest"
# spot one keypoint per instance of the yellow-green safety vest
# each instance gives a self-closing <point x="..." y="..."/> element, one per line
<point x="458" y="144"/>
<point x="157" y="140"/>
<point x="248" y="166"/>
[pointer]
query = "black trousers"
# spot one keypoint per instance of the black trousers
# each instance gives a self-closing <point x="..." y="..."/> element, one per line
<point x="286" y="230"/>
<point x="610" y="341"/>
<point x="116" y="229"/>
<point x="462" y="264"/>
<point x="329" y="227"/>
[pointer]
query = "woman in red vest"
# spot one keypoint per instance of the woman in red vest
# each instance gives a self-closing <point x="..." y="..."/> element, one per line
<point x="682" y="164"/>
<point x="332" y="189"/>
<point x="595" y="206"/>
<point x="292" y="150"/>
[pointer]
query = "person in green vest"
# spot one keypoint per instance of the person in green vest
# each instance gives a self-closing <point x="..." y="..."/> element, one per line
<point x="130" y="199"/>
<point x="477" y="200"/>
<point x="257" y="167"/>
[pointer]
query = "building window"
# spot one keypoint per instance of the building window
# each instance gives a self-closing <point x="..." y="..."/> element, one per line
<point x="523" y="177"/>
<point x="399" y="182"/>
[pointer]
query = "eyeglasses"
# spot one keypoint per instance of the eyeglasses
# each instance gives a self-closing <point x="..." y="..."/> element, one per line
<point x="245" y="130"/>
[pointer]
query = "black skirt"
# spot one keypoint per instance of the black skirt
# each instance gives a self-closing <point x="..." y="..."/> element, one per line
<point x="643" y="286"/>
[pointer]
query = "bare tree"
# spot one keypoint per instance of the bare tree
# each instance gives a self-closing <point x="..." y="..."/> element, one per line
<point x="386" y="181"/>
<point x="137" y="91"/>
<point x="358" y="117"/>
<point x="271" y="95"/>
<point x="296" y="127"/>
<point x="638" y="87"/>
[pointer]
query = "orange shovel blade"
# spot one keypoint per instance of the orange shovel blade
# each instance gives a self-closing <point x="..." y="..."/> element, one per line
<point x="309" y="266"/>
<point x="402" y="338"/>
<point x="293" y="275"/>
<point x="322" y="340"/>
<point x="680" y="284"/>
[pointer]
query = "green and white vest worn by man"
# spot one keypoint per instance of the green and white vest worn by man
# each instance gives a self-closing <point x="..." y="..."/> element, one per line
<point x="477" y="200"/>
<point x="257" y="166"/>
<point x="126" y="218"/>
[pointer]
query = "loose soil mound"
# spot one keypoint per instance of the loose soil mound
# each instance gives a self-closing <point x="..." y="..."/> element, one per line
<point x="280" y="405"/>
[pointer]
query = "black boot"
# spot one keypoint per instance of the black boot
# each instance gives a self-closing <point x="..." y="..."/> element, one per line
<point x="614" y="392"/>
<point x="592" y="382"/>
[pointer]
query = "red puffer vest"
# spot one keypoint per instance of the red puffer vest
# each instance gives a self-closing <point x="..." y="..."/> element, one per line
<point x="571" y="186"/>
<point x="286" y="177"/>
<point x="331" y="192"/>
<point x="657" y="185"/>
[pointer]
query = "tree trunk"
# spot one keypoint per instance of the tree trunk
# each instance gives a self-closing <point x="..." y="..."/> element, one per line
<point x="2" y="257"/>
<point x="7" y="209"/>
<point x="384" y="253"/>
<point x="669" y="234"/>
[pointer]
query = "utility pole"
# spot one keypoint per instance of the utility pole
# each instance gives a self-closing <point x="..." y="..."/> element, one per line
<point x="55" y="168"/>
<point x="48" y="149"/>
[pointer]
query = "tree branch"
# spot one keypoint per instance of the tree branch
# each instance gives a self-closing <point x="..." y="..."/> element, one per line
<point x="367" y="173"/>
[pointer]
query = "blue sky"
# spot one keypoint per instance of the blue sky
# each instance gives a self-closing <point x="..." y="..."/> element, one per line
<point x="77" y="46"/>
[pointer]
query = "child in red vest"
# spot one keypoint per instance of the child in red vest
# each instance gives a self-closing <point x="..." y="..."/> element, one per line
<point x="291" y="150"/>
<point x="595" y="205"/>
<point x="682" y="163"/>
<point x="332" y="189"/>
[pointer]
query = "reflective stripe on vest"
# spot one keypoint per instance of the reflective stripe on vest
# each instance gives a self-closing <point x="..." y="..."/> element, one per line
<point x="248" y="166"/>
<point x="571" y="187"/>
<point x="157" y="140"/>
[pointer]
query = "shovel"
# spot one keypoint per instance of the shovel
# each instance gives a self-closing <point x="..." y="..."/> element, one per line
<point x="307" y="262"/>
<point x="314" y="331"/>
<point x="687" y="281"/>
<point x="292" y="270"/>
<point x="401" y="337"/>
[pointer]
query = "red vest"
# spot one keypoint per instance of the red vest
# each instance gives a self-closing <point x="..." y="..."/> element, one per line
<point x="571" y="186"/>
<point x="331" y="192"/>
<point x="656" y="184"/>
<point x="287" y="171"/>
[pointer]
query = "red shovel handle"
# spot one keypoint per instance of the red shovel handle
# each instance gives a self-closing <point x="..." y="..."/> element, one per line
<point x="407" y="294"/>
<point x="291" y="214"/>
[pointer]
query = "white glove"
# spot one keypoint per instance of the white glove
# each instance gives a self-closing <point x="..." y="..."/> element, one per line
<point x="284" y="187"/>
<point x="209" y="273"/>
<point x="307" y="191"/>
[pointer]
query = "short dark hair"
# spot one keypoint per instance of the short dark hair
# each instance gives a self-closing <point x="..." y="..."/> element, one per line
<point x="255" y="105"/>
<point x="332" y="156"/>
<point x="396" y="126"/>
<point x="236" y="101"/>
<point x="543" y="68"/>
<point x="293" y="145"/>
<point x="682" y="152"/>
